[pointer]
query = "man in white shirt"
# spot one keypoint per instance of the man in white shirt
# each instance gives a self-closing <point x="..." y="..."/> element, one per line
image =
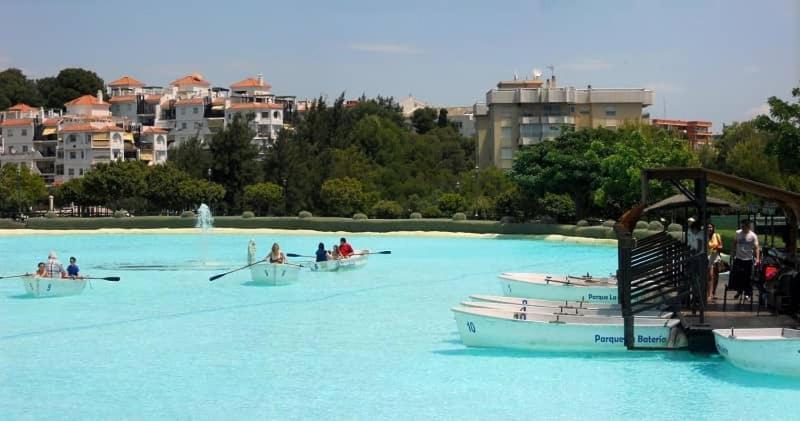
<point x="745" y="248"/>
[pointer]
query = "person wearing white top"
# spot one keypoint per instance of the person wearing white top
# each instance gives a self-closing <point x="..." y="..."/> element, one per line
<point x="745" y="248"/>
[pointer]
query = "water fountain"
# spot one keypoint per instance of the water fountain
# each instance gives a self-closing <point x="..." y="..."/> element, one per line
<point x="205" y="221"/>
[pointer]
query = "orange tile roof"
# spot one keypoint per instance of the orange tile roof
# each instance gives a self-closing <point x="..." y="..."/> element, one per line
<point x="122" y="98"/>
<point x="154" y="130"/>
<point x="126" y="81"/>
<point x="152" y="98"/>
<point x="15" y="122"/>
<point x="251" y="83"/>
<point x="190" y="101"/>
<point x="255" y="106"/>
<point x="191" y="80"/>
<point x="80" y="127"/>
<point x="22" y="107"/>
<point x="51" y="122"/>
<point x="86" y="100"/>
<point x="218" y="101"/>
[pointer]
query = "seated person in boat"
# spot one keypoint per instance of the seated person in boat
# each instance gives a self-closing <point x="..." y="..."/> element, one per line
<point x="41" y="270"/>
<point x="53" y="268"/>
<point x="73" y="271"/>
<point x="335" y="254"/>
<point x="345" y="249"/>
<point x="276" y="255"/>
<point x="322" y="254"/>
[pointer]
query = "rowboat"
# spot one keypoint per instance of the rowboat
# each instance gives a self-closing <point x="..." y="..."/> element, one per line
<point x="483" y="327"/>
<point x="540" y="303"/>
<point x="52" y="287"/>
<point x="546" y="287"/>
<point x="767" y="350"/>
<point x="564" y="310"/>
<point x="274" y="274"/>
<point x="356" y="261"/>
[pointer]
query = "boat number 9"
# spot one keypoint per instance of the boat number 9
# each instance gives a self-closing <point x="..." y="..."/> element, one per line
<point x="471" y="327"/>
<point x="48" y="286"/>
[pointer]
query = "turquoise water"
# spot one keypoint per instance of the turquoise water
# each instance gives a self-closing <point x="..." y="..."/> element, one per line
<point x="379" y="343"/>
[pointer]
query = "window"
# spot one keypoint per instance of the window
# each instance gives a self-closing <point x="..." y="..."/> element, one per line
<point x="10" y="132"/>
<point x="183" y="111"/>
<point x="554" y="128"/>
<point x="24" y="149"/>
<point x="160" y="140"/>
<point x="117" y="138"/>
<point x="198" y="125"/>
<point x="73" y="155"/>
<point x="24" y="132"/>
<point x="88" y="139"/>
<point x="611" y="111"/>
<point x="506" y="153"/>
<point x="80" y="171"/>
<point x="161" y="156"/>
<point x="72" y="138"/>
<point x="572" y="109"/>
<point x="530" y="130"/>
<point x="71" y="171"/>
<point x="194" y="110"/>
<point x="276" y="114"/>
<point x="265" y="114"/>
<point x="506" y="133"/>
<point x="82" y="155"/>
<point x="128" y="107"/>
<point x="584" y="110"/>
<point x="183" y="126"/>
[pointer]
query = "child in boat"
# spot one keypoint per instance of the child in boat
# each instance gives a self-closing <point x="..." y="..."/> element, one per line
<point x="335" y="254"/>
<point x="73" y="270"/>
<point x="276" y="255"/>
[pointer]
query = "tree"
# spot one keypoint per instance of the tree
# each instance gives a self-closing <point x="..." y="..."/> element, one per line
<point x="193" y="192"/>
<point x="783" y="125"/>
<point x="16" y="88"/>
<point x="450" y="203"/>
<point x="20" y="188"/>
<point x="423" y="120"/>
<point x="234" y="165"/>
<point x="191" y="157"/>
<point x="387" y="209"/>
<point x="442" y="120"/>
<point x="263" y="196"/>
<point x="560" y="206"/>
<point x="163" y="186"/>
<point x="342" y="196"/>
<point x="107" y="184"/>
<point x="749" y="159"/>
<point x="69" y="84"/>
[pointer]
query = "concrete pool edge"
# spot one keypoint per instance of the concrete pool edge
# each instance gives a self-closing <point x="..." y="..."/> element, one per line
<point x="274" y="231"/>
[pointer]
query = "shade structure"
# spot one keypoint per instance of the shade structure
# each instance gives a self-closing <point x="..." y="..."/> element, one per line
<point x="680" y="201"/>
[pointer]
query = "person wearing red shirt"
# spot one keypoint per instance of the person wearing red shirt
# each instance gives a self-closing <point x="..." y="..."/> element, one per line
<point x="345" y="249"/>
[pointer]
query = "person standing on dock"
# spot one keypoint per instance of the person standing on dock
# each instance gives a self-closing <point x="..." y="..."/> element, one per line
<point x="745" y="247"/>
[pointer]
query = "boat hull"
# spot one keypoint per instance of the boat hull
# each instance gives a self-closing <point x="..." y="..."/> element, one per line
<point x="760" y="350"/>
<point x="53" y="287"/>
<point x="558" y="291"/>
<point x="488" y="328"/>
<point x="564" y="310"/>
<point x="540" y="303"/>
<point x="274" y="274"/>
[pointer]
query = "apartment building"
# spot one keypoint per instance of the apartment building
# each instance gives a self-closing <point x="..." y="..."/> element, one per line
<point x="519" y="113"/>
<point x="28" y="137"/>
<point x="463" y="119"/>
<point x="697" y="132"/>
<point x="253" y="97"/>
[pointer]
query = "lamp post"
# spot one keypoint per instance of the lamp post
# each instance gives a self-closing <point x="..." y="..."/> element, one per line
<point x="19" y="197"/>
<point x="477" y="190"/>
<point x="209" y="175"/>
<point x="285" y="210"/>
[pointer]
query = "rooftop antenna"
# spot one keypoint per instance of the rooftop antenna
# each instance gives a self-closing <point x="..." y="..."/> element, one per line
<point x="552" y="70"/>
<point x="516" y="76"/>
<point x="537" y="74"/>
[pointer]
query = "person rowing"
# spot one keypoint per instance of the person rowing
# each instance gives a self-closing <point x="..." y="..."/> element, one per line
<point x="53" y="268"/>
<point x="322" y="254"/>
<point x="275" y="255"/>
<point x="73" y="271"/>
<point x="345" y="249"/>
<point x="41" y="271"/>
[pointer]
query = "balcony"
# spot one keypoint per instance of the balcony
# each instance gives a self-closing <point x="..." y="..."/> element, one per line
<point x="528" y="141"/>
<point x="547" y="120"/>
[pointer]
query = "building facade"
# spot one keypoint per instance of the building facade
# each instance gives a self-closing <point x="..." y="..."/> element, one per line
<point x="697" y="132"/>
<point x="520" y="113"/>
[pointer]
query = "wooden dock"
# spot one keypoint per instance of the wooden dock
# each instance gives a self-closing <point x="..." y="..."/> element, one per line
<point x="737" y="315"/>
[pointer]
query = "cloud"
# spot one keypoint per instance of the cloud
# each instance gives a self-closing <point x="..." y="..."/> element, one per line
<point x="756" y="111"/>
<point x="386" y="48"/>
<point x="664" y="87"/>
<point x="587" y="65"/>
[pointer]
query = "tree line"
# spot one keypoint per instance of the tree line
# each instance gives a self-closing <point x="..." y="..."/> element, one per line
<point x="48" y="92"/>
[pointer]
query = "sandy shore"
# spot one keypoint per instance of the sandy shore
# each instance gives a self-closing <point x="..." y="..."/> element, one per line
<point x="269" y="231"/>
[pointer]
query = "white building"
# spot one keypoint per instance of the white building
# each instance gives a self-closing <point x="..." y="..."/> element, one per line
<point x="463" y="119"/>
<point x="411" y="104"/>
<point x="153" y="145"/>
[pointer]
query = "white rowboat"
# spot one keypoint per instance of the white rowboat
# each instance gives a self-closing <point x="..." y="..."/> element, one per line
<point x="767" y="350"/>
<point x="356" y="261"/>
<point x="564" y="310"/>
<point x="480" y="327"/>
<point x="540" y="303"/>
<point x="52" y="287"/>
<point x="274" y="274"/>
<point x="545" y="287"/>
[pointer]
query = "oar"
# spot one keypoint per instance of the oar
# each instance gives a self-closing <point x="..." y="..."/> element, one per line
<point x="374" y="252"/>
<point x="298" y="255"/>
<point x="235" y="270"/>
<point x="108" y="278"/>
<point x="15" y="276"/>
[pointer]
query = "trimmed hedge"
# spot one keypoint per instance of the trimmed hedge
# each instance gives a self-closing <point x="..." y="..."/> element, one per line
<point x="655" y="226"/>
<point x="582" y="223"/>
<point x="609" y="223"/>
<point x="50" y="214"/>
<point x="642" y="225"/>
<point x="359" y="217"/>
<point x="415" y="215"/>
<point x="188" y="214"/>
<point x="459" y="216"/>
<point x="674" y="228"/>
<point x="10" y="224"/>
<point x="120" y="214"/>
<point x="248" y="214"/>
<point x="304" y="214"/>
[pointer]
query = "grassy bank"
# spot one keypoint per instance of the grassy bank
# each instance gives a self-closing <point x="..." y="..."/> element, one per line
<point x="329" y="225"/>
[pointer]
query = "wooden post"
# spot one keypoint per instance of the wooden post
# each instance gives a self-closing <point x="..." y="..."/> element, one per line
<point x="626" y="243"/>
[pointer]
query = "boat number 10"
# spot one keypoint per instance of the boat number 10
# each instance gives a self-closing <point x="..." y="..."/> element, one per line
<point x="471" y="327"/>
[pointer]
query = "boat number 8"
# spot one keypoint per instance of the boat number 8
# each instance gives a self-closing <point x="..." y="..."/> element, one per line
<point x="471" y="327"/>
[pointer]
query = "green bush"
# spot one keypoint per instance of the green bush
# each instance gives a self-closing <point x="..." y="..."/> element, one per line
<point x="559" y="206"/>
<point x="50" y="214"/>
<point x="655" y="226"/>
<point x="450" y="203"/>
<point x="248" y="214"/>
<point x="674" y="228"/>
<point x="595" y="232"/>
<point x="432" y="212"/>
<point x="387" y="209"/>
<point x="415" y="215"/>
<point x="342" y="196"/>
<point x="263" y="196"/>
<point x="459" y="216"/>
<point x="508" y="220"/>
<point x="359" y="216"/>
<point x="609" y="223"/>
<point x="304" y="214"/>
<point x="582" y="223"/>
<point x="642" y="225"/>
<point x="188" y="214"/>
<point x="120" y="214"/>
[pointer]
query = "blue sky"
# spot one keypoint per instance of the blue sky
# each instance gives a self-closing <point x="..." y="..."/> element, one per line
<point x="713" y="60"/>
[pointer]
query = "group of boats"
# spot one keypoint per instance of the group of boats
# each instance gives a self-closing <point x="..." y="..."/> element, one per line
<point x="276" y="274"/>
<point x="581" y="313"/>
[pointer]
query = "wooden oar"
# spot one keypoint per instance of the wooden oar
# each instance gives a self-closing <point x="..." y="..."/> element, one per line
<point x="108" y="278"/>
<point x="235" y="270"/>
<point x="373" y="252"/>
<point x="15" y="276"/>
<point x="298" y="255"/>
